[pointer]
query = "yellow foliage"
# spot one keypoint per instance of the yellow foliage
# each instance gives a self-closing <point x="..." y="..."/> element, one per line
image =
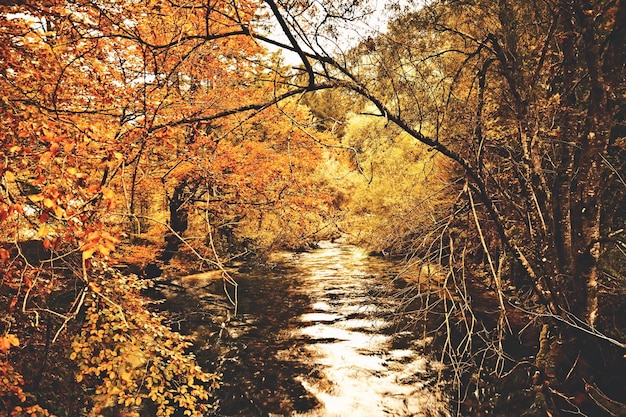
<point x="7" y="341"/>
<point x="392" y="178"/>
<point x="128" y="356"/>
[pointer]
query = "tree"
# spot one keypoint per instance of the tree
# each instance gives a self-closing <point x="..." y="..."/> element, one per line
<point x="106" y="101"/>
<point x="527" y="100"/>
<point x="123" y="123"/>
<point x="95" y="98"/>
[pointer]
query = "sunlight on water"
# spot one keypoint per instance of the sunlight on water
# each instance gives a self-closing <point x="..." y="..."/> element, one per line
<point x="321" y="306"/>
<point x="358" y="340"/>
<point x="372" y="325"/>
<point x="316" y="334"/>
<point x="316" y="317"/>
<point x="357" y="374"/>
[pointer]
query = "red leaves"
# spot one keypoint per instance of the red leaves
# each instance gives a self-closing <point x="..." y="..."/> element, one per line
<point x="4" y="254"/>
<point x="12" y="303"/>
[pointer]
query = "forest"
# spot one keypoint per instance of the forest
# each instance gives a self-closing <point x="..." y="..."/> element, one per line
<point x="142" y="140"/>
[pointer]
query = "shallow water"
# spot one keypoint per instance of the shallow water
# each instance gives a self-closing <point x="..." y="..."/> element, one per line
<point x="317" y="335"/>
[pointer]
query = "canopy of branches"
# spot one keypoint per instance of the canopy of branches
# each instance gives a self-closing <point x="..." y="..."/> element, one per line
<point x="487" y="137"/>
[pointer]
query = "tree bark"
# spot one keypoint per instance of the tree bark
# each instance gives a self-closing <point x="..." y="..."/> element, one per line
<point x="178" y="222"/>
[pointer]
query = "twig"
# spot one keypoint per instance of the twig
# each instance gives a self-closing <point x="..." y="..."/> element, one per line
<point x="225" y="275"/>
<point x="496" y="276"/>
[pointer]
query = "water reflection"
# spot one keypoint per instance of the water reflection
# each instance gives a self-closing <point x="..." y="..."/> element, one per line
<point x="358" y="373"/>
<point x="315" y="337"/>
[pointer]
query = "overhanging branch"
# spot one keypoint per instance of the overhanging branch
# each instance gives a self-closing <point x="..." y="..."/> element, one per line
<point x="293" y="41"/>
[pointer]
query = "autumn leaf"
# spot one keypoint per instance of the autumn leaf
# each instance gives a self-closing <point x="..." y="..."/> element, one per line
<point x="109" y="238"/>
<point x="45" y="158"/>
<point x="13" y="303"/>
<point x="48" y="202"/>
<point x="88" y="253"/>
<point x="68" y="147"/>
<point x="54" y="148"/>
<point x="35" y="198"/>
<point x="103" y="250"/>
<point x="7" y="341"/>
<point x="108" y="193"/>
<point x="43" y="231"/>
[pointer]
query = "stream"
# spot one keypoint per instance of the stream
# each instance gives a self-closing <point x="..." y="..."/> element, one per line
<point x="317" y="334"/>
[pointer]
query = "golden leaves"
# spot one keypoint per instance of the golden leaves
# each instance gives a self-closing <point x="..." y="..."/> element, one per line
<point x="43" y="231"/>
<point x="133" y="356"/>
<point x="10" y="176"/>
<point x="107" y="193"/>
<point x="36" y="198"/>
<point x="101" y="242"/>
<point x="8" y="341"/>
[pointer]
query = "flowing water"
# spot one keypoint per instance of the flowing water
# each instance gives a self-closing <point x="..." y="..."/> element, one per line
<point x="316" y="335"/>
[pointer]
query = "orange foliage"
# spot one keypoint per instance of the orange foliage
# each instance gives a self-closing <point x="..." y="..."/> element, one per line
<point x="108" y="107"/>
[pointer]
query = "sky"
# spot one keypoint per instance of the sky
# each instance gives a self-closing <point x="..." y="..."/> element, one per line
<point x="349" y="34"/>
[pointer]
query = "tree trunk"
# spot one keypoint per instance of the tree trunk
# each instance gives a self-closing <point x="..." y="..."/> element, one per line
<point x="178" y="222"/>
